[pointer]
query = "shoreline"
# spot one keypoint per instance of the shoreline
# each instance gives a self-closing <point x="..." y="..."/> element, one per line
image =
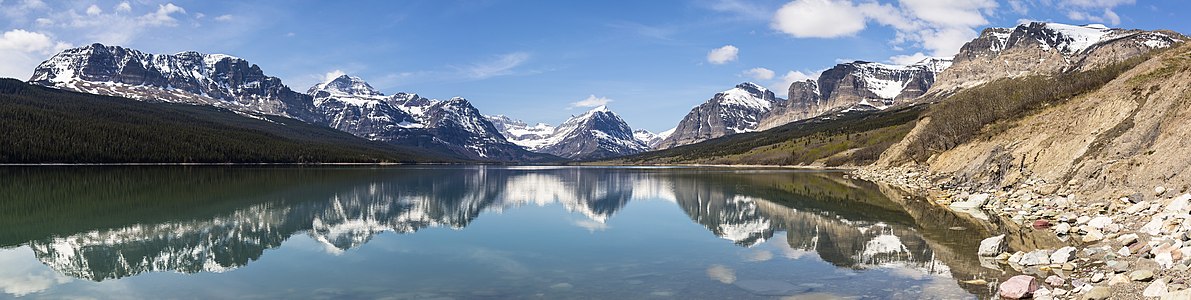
<point x="1109" y="254"/>
<point x="789" y="167"/>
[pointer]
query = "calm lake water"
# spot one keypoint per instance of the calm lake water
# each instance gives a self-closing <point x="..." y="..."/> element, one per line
<point x="474" y="233"/>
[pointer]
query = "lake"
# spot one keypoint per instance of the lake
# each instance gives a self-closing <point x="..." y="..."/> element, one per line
<point x="475" y="232"/>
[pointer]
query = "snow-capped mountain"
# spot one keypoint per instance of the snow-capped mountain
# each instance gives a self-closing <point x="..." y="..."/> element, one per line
<point x="345" y="103"/>
<point x="596" y="134"/>
<point x="350" y="104"/>
<point x="520" y="133"/>
<point x="733" y="111"/>
<point x="187" y="77"/>
<point x="1046" y="48"/>
<point x="651" y="139"/>
<point x="858" y="85"/>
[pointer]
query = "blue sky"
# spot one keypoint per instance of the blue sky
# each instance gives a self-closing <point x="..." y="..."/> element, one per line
<point x="542" y="61"/>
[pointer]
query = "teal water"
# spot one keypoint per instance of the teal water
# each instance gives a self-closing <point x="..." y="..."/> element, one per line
<point x="473" y="233"/>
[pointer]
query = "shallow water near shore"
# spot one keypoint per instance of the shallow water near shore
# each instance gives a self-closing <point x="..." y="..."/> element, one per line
<point x="454" y="232"/>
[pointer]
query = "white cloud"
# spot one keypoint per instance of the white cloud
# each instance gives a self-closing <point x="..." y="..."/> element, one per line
<point x="332" y="75"/>
<point x="759" y="73"/>
<point x="224" y="18"/>
<point x="940" y="27"/>
<point x="25" y="41"/>
<point x="783" y="83"/>
<point x="23" y="50"/>
<point x="591" y="101"/>
<point x="818" y="19"/>
<point x="94" y="10"/>
<point x="1100" y="11"/>
<point x="722" y="55"/>
<point x="503" y="65"/>
<point x="1019" y="7"/>
<point x="743" y="8"/>
<point x="22" y="275"/>
<point x="163" y="16"/>
<point x="1099" y="3"/>
<point x="908" y="59"/>
<point x="123" y="7"/>
<point x="591" y="225"/>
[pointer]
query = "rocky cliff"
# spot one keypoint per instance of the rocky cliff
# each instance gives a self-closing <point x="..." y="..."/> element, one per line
<point x="737" y="110"/>
<point x="856" y="85"/>
<point x="1045" y="48"/>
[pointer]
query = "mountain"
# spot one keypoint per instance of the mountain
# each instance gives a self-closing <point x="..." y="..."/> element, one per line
<point x="651" y="139"/>
<point x="733" y="111"/>
<point x="453" y="126"/>
<point x="186" y="77"/>
<point x="352" y="105"/>
<point x="520" y="133"/>
<point x="59" y="126"/>
<point x="851" y="138"/>
<point x="1046" y="48"/>
<point x="858" y="85"/>
<point x="596" y="134"/>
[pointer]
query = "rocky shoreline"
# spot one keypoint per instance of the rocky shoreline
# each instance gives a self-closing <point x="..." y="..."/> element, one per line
<point x="1125" y="248"/>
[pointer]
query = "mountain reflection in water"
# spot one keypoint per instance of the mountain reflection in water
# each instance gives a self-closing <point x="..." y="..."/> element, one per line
<point x="107" y="223"/>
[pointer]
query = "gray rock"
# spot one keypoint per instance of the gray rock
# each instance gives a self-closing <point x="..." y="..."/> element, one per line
<point x="1155" y="289"/>
<point x="1053" y="280"/>
<point x="992" y="246"/>
<point x="1098" y="293"/>
<point x="1127" y="239"/>
<point x="1118" y="266"/>
<point x="1034" y="258"/>
<point x="1062" y="255"/>
<point x="1094" y="235"/>
<point x="1141" y="275"/>
<point x="1179" y="295"/>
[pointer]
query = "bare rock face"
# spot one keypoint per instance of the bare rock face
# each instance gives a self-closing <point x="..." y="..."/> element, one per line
<point x="1045" y="48"/>
<point x="737" y="110"/>
<point x="856" y="85"/>
<point x="186" y="77"/>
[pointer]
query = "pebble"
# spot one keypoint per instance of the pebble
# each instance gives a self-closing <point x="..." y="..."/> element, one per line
<point x="991" y="246"/>
<point x="1053" y="280"/>
<point x="1062" y="255"/>
<point x="1098" y="293"/>
<point x="1141" y="275"/>
<point x="1018" y="287"/>
<point x="1034" y="258"/>
<point x="1118" y="279"/>
<point x="1179" y="295"/>
<point x="1127" y="239"/>
<point x="1094" y="235"/>
<point x="1124" y="252"/>
<point x="1062" y="228"/>
<point x="1156" y="289"/>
